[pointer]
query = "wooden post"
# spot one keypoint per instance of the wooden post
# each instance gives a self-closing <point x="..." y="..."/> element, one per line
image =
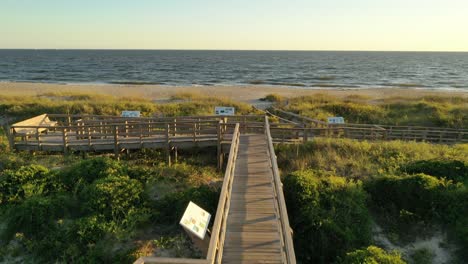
<point x="194" y="127"/>
<point x="88" y="130"/>
<point x="141" y="136"/>
<point x="175" y="155"/>
<point x="175" y="127"/>
<point x="304" y="137"/>
<point x="168" y="146"/>
<point x="38" y="138"/>
<point x="65" y="141"/>
<point x="219" y="151"/>
<point x="116" y="141"/>
<point x="244" y="124"/>
<point x="126" y="128"/>
<point x="69" y="119"/>
<point x="11" y="136"/>
<point x="100" y="129"/>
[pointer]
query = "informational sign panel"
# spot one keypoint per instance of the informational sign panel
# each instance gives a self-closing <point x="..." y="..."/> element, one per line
<point x="224" y="110"/>
<point x="195" y="220"/>
<point x="336" y="120"/>
<point x="130" y="114"/>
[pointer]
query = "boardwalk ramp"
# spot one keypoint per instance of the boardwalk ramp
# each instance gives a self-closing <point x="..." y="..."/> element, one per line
<point x="257" y="229"/>
<point x="253" y="232"/>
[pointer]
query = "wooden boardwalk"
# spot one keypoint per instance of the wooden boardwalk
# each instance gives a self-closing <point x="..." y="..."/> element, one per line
<point x="253" y="226"/>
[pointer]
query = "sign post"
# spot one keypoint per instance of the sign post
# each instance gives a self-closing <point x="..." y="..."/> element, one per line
<point x="130" y="114"/>
<point x="224" y="110"/>
<point x="335" y="120"/>
<point x="195" y="223"/>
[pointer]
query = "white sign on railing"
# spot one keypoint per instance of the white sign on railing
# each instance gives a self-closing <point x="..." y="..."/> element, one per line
<point x="224" y="110"/>
<point x="130" y="114"/>
<point x="335" y="120"/>
<point x="195" y="220"/>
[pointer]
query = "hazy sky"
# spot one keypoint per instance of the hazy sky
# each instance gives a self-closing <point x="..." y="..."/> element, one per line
<point x="435" y="25"/>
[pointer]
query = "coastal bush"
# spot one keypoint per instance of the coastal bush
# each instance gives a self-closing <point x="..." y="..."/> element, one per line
<point x="36" y="216"/>
<point x="93" y="210"/>
<point x="455" y="170"/>
<point x="420" y="194"/>
<point x="372" y="254"/>
<point x="113" y="197"/>
<point x="329" y="209"/>
<point x="85" y="172"/>
<point x="24" y="182"/>
<point x="402" y="201"/>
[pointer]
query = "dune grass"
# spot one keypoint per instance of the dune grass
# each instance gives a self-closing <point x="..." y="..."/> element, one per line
<point x="443" y="111"/>
<point x="69" y="103"/>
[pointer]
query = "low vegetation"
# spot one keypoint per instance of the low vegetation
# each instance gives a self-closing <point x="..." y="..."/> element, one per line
<point x="338" y="190"/>
<point x="96" y="209"/>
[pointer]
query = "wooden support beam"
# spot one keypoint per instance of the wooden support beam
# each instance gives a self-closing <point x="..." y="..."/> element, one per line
<point x="65" y="141"/>
<point x="219" y="152"/>
<point x="116" y="141"/>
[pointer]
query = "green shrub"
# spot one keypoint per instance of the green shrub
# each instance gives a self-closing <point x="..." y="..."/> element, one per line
<point x="37" y="215"/>
<point x="85" y="172"/>
<point x="371" y="255"/>
<point x="113" y="197"/>
<point x="455" y="170"/>
<point x="27" y="181"/>
<point x="420" y="194"/>
<point x="405" y="200"/>
<point x="331" y="211"/>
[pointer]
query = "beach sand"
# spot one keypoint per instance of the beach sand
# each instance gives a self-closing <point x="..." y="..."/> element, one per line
<point x="247" y="93"/>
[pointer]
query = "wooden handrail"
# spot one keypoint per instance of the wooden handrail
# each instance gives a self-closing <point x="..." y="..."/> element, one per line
<point x="219" y="227"/>
<point x="315" y="121"/>
<point x="283" y="213"/>
<point x="215" y="249"/>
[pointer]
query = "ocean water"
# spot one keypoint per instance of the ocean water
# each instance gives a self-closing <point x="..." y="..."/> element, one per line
<point x="310" y="69"/>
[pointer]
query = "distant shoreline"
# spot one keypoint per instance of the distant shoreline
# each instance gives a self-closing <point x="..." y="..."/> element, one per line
<point x="263" y="84"/>
<point x="241" y="93"/>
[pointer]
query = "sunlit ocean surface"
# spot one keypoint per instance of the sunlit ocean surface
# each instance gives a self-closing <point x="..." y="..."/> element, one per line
<point x="311" y="69"/>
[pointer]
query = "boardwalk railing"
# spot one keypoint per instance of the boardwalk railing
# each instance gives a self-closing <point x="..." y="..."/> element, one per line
<point x="215" y="249"/>
<point x="302" y="119"/>
<point x="107" y="133"/>
<point x="286" y="232"/>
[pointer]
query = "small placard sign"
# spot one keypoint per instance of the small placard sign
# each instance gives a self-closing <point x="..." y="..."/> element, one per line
<point x="224" y="110"/>
<point x="130" y="114"/>
<point x="336" y="120"/>
<point x="195" y="220"/>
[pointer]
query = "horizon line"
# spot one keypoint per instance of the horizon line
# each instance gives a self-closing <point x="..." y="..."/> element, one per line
<point x="292" y="50"/>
